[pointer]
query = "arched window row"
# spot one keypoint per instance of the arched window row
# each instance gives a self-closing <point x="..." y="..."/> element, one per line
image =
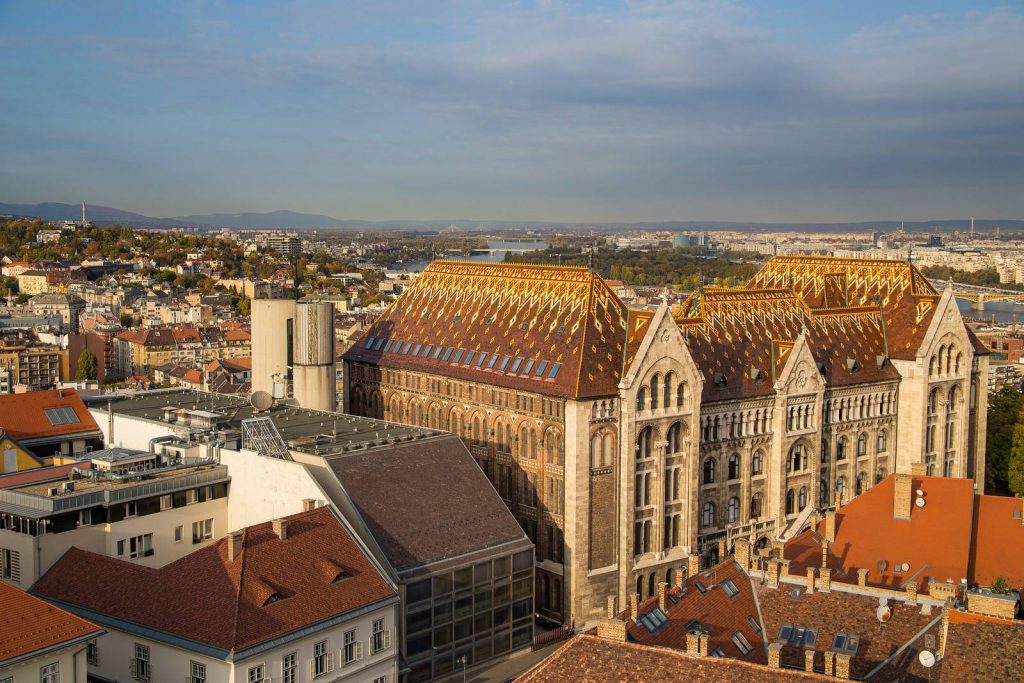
<point x="799" y="417"/>
<point x="947" y="360"/>
<point x="662" y="392"/>
<point x="859" y="407"/>
<point x="735" y="425"/>
<point x="602" y="409"/>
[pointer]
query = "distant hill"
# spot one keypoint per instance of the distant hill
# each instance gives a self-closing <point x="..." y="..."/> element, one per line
<point x="294" y="220"/>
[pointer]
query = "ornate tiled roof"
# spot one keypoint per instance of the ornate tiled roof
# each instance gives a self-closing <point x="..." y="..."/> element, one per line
<point x="554" y="330"/>
<point x="740" y="339"/>
<point x="906" y="297"/>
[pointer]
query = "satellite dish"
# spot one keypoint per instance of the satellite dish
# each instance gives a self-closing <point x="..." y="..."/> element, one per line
<point x="883" y="601"/>
<point x="882" y="565"/>
<point x="919" y="502"/>
<point x="261" y="401"/>
<point x="920" y="493"/>
<point x="906" y="567"/>
<point x="883" y="613"/>
<point x="927" y="658"/>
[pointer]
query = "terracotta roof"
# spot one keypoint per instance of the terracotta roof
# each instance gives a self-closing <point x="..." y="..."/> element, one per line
<point x="447" y="507"/>
<point x="905" y="296"/>
<point x="23" y="416"/>
<point x="29" y="624"/>
<point x="718" y="614"/>
<point x="982" y="649"/>
<point x="935" y="542"/>
<point x="731" y="332"/>
<point x="272" y="588"/>
<point x="34" y="476"/>
<point x="237" y="335"/>
<point x="836" y="612"/>
<point x="565" y="324"/>
<point x="589" y="659"/>
<point x="997" y="541"/>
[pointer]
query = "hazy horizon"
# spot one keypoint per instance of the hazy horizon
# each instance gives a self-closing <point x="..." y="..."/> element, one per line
<point x="547" y="111"/>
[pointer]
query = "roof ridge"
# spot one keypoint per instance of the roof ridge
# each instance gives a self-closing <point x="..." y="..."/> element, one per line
<point x="238" y="585"/>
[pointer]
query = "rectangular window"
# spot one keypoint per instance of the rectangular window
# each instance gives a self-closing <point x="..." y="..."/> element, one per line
<point x="427" y="349"/>
<point x="85" y="517"/>
<point x="191" y="497"/>
<point x="515" y="365"/>
<point x="408" y="345"/>
<point x="481" y="359"/>
<point x="730" y="588"/>
<point x="416" y="349"/>
<point x="754" y="625"/>
<point x="469" y="357"/>
<point x="529" y="366"/>
<point x="10" y="564"/>
<point x="504" y="363"/>
<point x="490" y="363"/>
<point x="50" y="673"/>
<point x="179" y="533"/>
<point x="131" y="509"/>
<point x="458" y="355"/>
<point x="289" y="669"/>
<point x="742" y="644"/>
<point x="541" y="368"/>
<point x="202" y="531"/>
<point x="448" y="354"/>
<point x="377" y="346"/>
<point x="437" y="352"/>
<point x="381" y="679"/>
<point x="92" y="652"/>
<point x="381" y="638"/>
<point x="166" y="502"/>
<point x="353" y="649"/>
<point x="140" y="663"/>
<point x="321" y="663"/>
<point x="369" y="342"/>
<point x="138" y="546"/>
<point x="388" y="346"/>
<point x="257" y="674"/>
<point x="554" y="370"/>
<point x="197" y="672"/>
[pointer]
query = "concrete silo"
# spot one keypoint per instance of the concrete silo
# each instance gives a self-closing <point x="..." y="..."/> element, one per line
<point x="313" y="369"/>
<point x="273" y="322"/>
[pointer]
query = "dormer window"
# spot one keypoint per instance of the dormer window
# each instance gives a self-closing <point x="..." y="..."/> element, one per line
<point x="720" y="379"/>
<point x="852" y="365"/>
<point x="274" y="597"/>
<point x="341" y="576"/>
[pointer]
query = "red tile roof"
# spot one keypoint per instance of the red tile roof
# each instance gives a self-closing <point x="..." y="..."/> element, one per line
<point x="589" y="659"/>
<point x="720" y="616"/>
<point x="935" y="541"/>
<point x="982" y="649"/>
<point x="34" y="476"/>
<point x="231" y="597"/>
<point x="29" y="624"/>
<point x="23" y="417"/>
<point x="997" y="547"/>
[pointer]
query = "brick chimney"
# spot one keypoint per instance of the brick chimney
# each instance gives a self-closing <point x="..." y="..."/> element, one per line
<point x="702" y="644"/>
<point x="612" y="629"/>
<point x="692" y="565"/>
<point x="825" y="580"/>
<point x="234" y="545"/>
<point x="862" y="576"/>
<point x="902" y="496"/>
<point x="741" y="553"/>
<point x="830" y="663"/>
<point x="809" y="660"/>
<point x="775" y="655"/>
<point x="692" y="643"/>
<point x="830" y="526"/>
<point x="919" y="469"/>
<point x="634" y="606"/>
<point x="280" y="526"/>
<point x="773" y="572"/>
<point x="843" y="665"/>
<point x="810" y="579"/>
<point x="679" y="578"/>
<point x="612" y="610"/>
<point x="663" y="596"/>
<point x="911" y="588"/>
<point x="824" y="554"/>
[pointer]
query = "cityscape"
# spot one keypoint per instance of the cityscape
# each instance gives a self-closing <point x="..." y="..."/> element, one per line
<point x="751" y="413"/>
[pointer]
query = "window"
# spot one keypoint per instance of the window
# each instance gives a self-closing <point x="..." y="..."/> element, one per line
<point x="322" y="662"/>
<point x="10" y="564"/>
<point x="353" y="650"/>
<point x="734" y="466"/>
<point x="166" y="502"/>
<point x="707" y="517"/>
<point x="756" y="463"/>
<point x="92" y="652"/>
<point x="191" y="497"/>
<point x="139" y="664"/>
<point x="381" y="679"/>
<point x="136" y="546"/>
<point x="654" y="620"/>
<point x="846" y="642"/>
<point x="730" y="589"/>
<point x="289" y="670"/>
<point x="50" y="673"/>
<point x="202" y="531"/>
<point x="197" y="672"/>
<point x="381" y="638"/>
<point x="754" y="624"/>
<point x="61" y="416"/>
<point x="742" y="644"/>
<point x="179" y="533"/>
<point x="257" y="674"/>
<point x="733" y="510"/>
<point x="709" y="471"/>
<point x="131" y="509"/>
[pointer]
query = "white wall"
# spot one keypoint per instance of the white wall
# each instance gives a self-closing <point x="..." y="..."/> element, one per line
<point x="263" y="488"/>
<point x="71" y="665"/>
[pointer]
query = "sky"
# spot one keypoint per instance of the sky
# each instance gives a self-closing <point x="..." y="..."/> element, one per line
<point x="772" y="110"/>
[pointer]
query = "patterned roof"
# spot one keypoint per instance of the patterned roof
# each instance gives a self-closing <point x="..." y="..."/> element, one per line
<point x="740" y="339"/>
<point x="30" y="625"/>
<point x="554" y="330"/>
<point x="904" y="294"/>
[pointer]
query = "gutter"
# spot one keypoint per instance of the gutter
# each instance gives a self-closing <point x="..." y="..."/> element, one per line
<point x="53" y="648"/>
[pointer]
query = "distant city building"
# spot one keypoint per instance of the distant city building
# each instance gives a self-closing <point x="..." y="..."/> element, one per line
<point x="27" y="363"/>
<point x="284" y="244"/>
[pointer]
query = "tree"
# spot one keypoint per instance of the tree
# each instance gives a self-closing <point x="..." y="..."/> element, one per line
<point x="1000" y="586"/>
<point x="126" y="320"/>
<point x="1015" y="466"/>
<point x="86" y="366"/>
<point x="1004" y="411"/>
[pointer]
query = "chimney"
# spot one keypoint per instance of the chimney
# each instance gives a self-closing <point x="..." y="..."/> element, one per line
<point x="902" y="496"/>
<point x="830" y="663"/>
<point x="679" y="578"/>
<point x="825" y="580"/>
<point x="741" y="553"/>
<point x="775" y="655"/>
<point x="234" y="545"/>
<point x="634" y="606"/>
<point x="692" y="565"/>
<point x="663" y="596"/>
<point x="824" y="554"/>
<point x="773" y="572"/>
<point x="308" y="504"/>
<point x="919" y="469"/>
<point x="911" y="588"/>
<point x="722" y="547"/>
<point x="810" y="579"/>
<point x="692" y="643"/>
<point x="830" y="526"/>
<point x="843" y="665"/>
<point x="702" y="644"/>
<point x="612" y="629"/>
<point x="612" y="609"/>
<point x="281" y="528"/>
<point x="862" y="577"/>
<point x="809" y="660"/>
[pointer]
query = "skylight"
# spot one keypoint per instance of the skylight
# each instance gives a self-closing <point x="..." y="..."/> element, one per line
<point x="515" y="365"/>
<point x="846" y="642"/>
<point x="730" y="588"/>
<point x="654" y="620"/>
<point x="437" y="351"/>
<point x="504" y="362"/>
<point x="448" y="354"/>
<point x="541" y="368"/>
<point x="529" y="366"/>
<point x="481" y="359"/>
<point x="408" y="345"/>
<point x="61" y="416"/>
<point x="458" y="355"/>
<point x="554" y="370"/>
<point x="469" y="357"/>
<point x="380" y="342"/>
<point x="416" y="351"/>
<point x="369" y="342"/>
<point x="490" y="363"/>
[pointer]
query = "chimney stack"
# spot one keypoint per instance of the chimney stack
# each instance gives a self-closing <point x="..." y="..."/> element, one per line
<point x="902" y="496"/>
<point x="692" y="643"/>
<point x="830" y="526"/>
<point x="663" y="596"/>
<point x="919" y="469"/>
<point x="678" y="578"/>
<point x="702" y="644"/>
<point x="634" y="606"/>
<point x="234" y="545"/>
<point x="775" y="655"/>
<point x="843" y="665"/>
<point x="281" y="528"/>
<point x="692" y="565"/>
<point x="612" y="609"/>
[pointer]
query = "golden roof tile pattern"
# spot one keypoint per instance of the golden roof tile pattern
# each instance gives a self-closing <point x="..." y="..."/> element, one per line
<point x="553" y="330"/>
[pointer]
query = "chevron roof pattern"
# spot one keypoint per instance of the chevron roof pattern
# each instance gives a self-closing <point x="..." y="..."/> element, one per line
<point x="554" y="330"/>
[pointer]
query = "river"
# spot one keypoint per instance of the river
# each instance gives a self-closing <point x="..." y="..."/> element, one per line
<point x="1001" y="311"/>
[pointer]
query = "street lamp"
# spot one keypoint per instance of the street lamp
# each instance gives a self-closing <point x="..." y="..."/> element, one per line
<point x="463" y="660"/>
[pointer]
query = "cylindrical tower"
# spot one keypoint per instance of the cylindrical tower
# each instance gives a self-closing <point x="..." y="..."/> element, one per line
<point x="314" y="356"/>
<point x="272" y="322"/>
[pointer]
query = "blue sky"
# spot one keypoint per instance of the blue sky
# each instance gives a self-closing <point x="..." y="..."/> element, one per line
<point x="576" y="111"/>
